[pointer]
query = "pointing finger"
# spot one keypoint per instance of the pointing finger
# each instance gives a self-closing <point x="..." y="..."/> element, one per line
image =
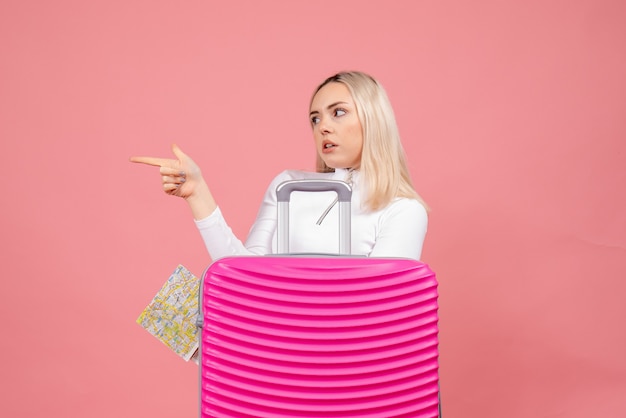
<point x="159" y="162"/>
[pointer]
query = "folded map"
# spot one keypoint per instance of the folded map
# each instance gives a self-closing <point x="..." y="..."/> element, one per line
<point x="171" y="316"/>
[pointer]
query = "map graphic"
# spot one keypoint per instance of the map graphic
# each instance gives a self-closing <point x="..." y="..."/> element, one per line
<point x="171" y="316"/>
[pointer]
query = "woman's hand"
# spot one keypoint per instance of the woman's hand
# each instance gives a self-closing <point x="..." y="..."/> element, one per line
<point x="182" y="177"/>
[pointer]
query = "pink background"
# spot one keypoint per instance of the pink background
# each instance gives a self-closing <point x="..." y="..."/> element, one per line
<point x="512" y="114"/>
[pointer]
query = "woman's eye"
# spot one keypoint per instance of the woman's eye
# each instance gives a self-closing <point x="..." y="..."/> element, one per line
<point x="315" y="120"/>
<point x="340" y="112"/>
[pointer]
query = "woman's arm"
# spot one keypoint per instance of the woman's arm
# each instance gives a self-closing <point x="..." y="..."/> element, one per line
<point x="401" y="230"/>
<point x="182" y="177"/>
<point x="220" y="240"/>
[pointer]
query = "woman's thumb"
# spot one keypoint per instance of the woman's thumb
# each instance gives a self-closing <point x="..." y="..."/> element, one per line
<point x="178" y="152"/>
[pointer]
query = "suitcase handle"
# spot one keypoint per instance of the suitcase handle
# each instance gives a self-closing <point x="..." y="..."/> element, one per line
<point x="283" y="196"/>
<point x="284" y="189"/>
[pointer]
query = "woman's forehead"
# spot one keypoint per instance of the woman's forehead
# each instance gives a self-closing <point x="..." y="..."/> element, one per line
<point x="330" y="94"/>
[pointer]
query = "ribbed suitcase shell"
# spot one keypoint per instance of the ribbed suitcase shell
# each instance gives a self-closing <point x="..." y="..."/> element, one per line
<point x="318" y="337"/>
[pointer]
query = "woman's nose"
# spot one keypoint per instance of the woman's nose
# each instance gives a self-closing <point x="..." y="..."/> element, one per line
<point x="324" y="126"/>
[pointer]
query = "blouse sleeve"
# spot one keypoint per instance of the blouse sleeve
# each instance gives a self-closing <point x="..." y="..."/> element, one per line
<point x="220" y="241"/>
<point x="401" y="230"/>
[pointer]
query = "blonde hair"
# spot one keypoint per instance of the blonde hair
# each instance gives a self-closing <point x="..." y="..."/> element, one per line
<point x="383" y="162"/>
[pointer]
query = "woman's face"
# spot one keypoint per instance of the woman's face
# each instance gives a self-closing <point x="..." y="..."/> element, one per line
<point x="336" y="127"/>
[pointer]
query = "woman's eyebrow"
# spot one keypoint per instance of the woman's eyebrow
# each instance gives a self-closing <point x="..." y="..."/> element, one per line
<point x="330" y="106"/>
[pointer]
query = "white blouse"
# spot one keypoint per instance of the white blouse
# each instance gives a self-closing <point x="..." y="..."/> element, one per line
<point x="398" y="230"/>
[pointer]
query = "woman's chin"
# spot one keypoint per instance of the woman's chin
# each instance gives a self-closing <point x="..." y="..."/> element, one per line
<point x="334" y="164"/>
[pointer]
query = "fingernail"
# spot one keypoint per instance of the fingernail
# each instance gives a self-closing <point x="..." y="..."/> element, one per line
<point x="182" y="173"/>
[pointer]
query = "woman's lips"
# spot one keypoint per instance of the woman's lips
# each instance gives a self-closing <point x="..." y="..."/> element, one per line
<point x="328" y="146"/>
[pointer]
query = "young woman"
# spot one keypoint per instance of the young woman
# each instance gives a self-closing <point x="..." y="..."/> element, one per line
<point x="357" y="141"/>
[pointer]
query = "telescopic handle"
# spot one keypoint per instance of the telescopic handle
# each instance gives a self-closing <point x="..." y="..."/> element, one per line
<point x="283" y="196"/>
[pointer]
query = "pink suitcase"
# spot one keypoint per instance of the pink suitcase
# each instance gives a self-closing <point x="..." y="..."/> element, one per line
<point x="318" y="335"/>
